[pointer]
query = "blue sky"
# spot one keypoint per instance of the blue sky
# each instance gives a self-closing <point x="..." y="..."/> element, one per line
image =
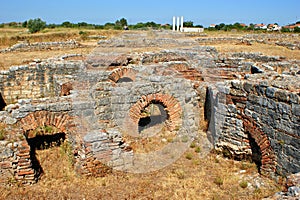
<point x="204" y="12"/>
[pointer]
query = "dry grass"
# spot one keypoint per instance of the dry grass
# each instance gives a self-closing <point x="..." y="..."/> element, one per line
<point x="21" y="58"/>
<point x="10" y="36"/>
<point x="265" y="49"/>
<point x="191" y="177"/>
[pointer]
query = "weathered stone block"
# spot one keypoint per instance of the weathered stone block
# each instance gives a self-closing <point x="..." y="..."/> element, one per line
<point x="296" y="109"/>
<point x="270" y="92"/>
<point x="282" y="96"/>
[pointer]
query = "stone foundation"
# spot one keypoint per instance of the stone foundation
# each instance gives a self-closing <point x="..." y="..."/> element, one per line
<point x="98" y="103"/>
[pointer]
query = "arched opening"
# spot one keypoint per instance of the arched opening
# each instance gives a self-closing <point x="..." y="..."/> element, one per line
<point x="256" y="155"/>
<point x="124" y="80"/>
<point x="2" y="102"/>
<point x="121" y="75"/>
<point x="41" y="139"/>
<point x="153" y="116"/>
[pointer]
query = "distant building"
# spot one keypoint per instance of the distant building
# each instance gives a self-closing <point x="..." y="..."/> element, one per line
<point x="192" y="29"/>
<point x="273" y="27"/>
<point x="291" y="27"/>
<point x="260" y="26"/>
<point x="212" y="26"/>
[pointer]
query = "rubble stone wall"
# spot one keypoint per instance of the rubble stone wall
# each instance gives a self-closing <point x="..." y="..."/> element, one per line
<point x="36" y="80"/>
<point x="37" y="46"/>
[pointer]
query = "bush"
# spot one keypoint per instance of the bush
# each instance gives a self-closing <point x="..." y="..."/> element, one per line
<point x="2" y="135"/>
<point x="36" y="25"/>
<point x="198" y="150"/>
<point x="218" y="181"/>
<point x="189" y="156"/>
<point x="243" y="184"/>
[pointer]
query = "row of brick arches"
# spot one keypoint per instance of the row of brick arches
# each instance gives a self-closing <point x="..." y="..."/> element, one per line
<point x="62" y="125"/>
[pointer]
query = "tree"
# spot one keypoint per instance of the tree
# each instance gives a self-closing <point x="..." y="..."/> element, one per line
<point x="220" y="26"/>
<point x="67" y="24"/>
<point x="297" y="29"/>
<point x="123" y="22"/>
<point x="24" y="24"/>
<point x="188" y="24"/>
<point x="35" y="25"/>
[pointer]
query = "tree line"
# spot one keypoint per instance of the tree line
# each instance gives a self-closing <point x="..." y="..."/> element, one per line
<point x="36" y="25"/>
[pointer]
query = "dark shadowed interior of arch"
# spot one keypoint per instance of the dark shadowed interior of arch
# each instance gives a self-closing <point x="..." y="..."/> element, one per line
<point x="256" y="156"/>
<point x="40" y="142"/>
<point x="2" y="102"/>
<point x="154" y="115"/>
<point x="124" y="80"/>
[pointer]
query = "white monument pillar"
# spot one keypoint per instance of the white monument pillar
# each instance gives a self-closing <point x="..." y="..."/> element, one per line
<point x="181" y="28"/>
<point x="177" y="23"/>
<point x="174" y="23"/>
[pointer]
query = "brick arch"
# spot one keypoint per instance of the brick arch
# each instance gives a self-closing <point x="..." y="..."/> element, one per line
<point x="62" y="121"/>
<point x="25" y="171"/>
<point x="268" y="160"/>
<point x="122" y="72"/>
<point x="172" y="107"/>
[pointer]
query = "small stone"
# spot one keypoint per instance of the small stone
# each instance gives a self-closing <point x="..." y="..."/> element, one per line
<point x="294" y="191"/>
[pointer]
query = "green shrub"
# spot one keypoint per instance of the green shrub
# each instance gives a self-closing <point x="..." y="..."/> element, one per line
<point x="218" y="181"/>
<point x="198" y="150"/>
<point x="193" y="145"/>
<point x="243" y="184"/>
<point x="189" y="156"/>
<point x="2" y="135"/>
<point x="36" y="25"/>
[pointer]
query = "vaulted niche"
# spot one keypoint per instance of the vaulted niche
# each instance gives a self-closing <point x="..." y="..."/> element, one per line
<point x="256" y="155"/>
<point x="153" y="115"/>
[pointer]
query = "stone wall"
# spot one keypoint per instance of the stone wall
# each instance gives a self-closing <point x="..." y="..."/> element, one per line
<point x="37" y="46"/>
<point x="265" y="110"/>
<point x="36" y="80"/>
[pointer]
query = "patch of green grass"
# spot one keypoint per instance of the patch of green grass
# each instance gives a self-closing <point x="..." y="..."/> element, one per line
<point x="189" y="156"/>
<point x="193" y="145"/>
<point x="66" y="148"/>
<point x="198" y="150"/>
<point x="244" y="184"/>
<point x="2" y="134"/>
<point x="218" y="181"/>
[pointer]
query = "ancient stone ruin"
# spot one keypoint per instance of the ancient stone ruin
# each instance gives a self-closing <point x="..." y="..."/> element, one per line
<point x="138" y="86"/>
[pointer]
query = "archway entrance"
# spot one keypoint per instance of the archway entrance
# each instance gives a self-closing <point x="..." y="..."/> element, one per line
<point x="256" y="155"/>
<point x="2" y="103"/>
<point x="154" y="117"/>
<point x="42" y="130"/>
<point x="43" y="138"/>
<point x="262" y="153"/>
<point x="156" y="109"/>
